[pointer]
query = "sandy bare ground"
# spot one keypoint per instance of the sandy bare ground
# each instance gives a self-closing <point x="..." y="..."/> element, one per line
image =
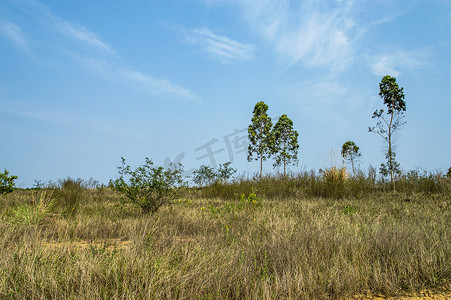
<point x="422" y="295"/>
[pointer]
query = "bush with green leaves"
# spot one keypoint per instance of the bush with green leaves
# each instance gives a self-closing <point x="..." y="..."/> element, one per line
<point x="7" y="183"/>
<point x="225" y="172"/>
<point x="148" y="186"/>
<point x="69" y="195"/>
<point x="204" y="176"/>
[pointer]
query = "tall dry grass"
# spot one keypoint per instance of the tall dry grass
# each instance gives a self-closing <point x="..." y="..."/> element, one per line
<point x="290" y="246"/>
<point x="334" y="182"/>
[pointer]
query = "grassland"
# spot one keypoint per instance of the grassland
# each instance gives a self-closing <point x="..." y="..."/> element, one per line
<point x="275" y="239"/>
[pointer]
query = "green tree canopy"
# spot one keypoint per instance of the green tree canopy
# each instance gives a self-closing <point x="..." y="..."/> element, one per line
<point x="285" y="146"/>
<point x="260" y="135"/>
<point x="392" y="94"/>
<point x="350" y="153"/>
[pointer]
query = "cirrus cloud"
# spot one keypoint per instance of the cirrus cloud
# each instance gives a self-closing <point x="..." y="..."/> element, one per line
<point x="219" y="47"/>
<point x="87" y="47"/>
<point x="14" y="33"/>
<point x="394" y="62"/>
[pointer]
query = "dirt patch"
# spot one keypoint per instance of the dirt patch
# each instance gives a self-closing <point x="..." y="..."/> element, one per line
<point x="422" y="295"/>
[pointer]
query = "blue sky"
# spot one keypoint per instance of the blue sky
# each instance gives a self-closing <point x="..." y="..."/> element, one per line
<point x="83" y="83"/>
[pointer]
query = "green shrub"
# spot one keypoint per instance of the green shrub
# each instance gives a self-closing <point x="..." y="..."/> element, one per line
<point x="225" y="172"/>
<point x="69" y="195"/>
<point x="207" y="176"/>
<point x="147" y="186"/>
<point x="204" y="176"/>
<point x="7" y="183"/>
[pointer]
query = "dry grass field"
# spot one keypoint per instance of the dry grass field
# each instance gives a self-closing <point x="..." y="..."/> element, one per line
<point x="253" y="242"/>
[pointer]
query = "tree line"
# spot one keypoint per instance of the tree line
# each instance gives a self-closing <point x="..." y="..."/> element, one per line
<point x="281" y="141"/>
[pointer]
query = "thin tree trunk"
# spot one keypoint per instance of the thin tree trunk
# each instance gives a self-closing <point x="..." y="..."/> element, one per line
<point x="261" y="152"/>
<point x="261" y="166"/>
<point x="284" y="159"/>
<point x="389" y="147"/>
<point x="284" y="172"/>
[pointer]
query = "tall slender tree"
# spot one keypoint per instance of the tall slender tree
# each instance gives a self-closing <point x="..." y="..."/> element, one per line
<point x="389" y="123"/>
<point x="260" y="135"/>
<point x="285" y="147"/>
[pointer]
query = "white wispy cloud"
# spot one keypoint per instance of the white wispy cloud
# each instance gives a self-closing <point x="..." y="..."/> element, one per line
<point x="219" y="47"/>
<point x="393" y="63"/>
<point x="82" y="34"/>
<point x="100" y="58"/>
<point x="306" y="31"/>
<point x="15" y="34"/>
<point x="138" y="80"/>
<point x="314" y="33"/>
<point x="68" y="29"/>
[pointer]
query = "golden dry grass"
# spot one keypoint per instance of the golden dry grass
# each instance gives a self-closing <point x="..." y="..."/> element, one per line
<point x="211" y="248"/>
